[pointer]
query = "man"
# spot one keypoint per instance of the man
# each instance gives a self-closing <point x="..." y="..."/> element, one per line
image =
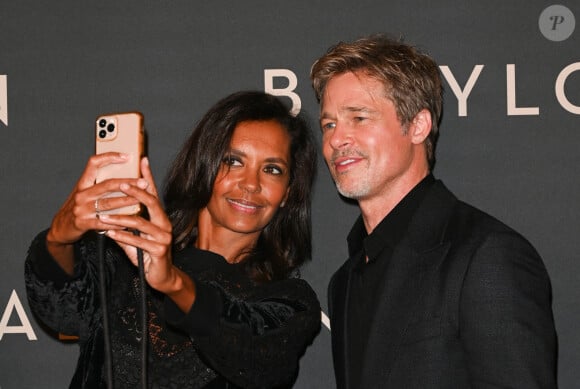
<point x="435" y="293"/>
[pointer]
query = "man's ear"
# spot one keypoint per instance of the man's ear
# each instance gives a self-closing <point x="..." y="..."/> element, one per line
<point x="420" y="126"/>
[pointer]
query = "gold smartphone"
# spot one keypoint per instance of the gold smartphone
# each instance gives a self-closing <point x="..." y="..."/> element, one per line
<point x="123" y="133"/>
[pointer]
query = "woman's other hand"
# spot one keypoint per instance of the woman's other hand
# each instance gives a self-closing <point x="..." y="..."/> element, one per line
<point x="154" y="237"/>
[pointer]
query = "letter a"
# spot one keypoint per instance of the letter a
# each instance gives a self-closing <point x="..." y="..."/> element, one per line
<point x="15" y="305"/>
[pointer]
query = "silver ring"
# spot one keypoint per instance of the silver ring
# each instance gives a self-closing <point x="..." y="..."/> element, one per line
<point x="97" y="211"/>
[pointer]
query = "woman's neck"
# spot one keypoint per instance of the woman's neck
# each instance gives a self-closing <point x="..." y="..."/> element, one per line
<point x="229" y="244"/>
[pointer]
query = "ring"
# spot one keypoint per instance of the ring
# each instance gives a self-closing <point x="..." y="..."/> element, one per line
<point x="97" y="211"/>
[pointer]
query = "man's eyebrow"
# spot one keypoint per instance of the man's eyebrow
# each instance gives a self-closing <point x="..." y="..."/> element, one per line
<point x="358" y="109"/>
<point x="325" y="115"/>
<point x="350" y="109"/>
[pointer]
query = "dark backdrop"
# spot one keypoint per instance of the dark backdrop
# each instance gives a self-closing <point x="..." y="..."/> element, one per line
<point x="509" y="137"/>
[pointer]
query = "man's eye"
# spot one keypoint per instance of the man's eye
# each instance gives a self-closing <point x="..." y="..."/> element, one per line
<point x="328" y="126"/>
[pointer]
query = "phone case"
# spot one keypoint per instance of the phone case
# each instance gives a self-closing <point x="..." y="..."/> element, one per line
<point x="124" y="133"/>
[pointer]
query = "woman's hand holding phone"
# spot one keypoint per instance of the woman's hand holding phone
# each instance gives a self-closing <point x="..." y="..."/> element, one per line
<point x="79" y="213"/>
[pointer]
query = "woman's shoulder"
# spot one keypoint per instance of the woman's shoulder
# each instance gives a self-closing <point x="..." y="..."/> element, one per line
<point x="296" y="289"/>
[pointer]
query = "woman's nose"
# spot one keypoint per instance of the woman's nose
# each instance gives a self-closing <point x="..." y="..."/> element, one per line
<point x="250" y="182"/>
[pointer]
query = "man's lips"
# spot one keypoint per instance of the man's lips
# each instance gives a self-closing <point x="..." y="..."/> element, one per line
<point x="344" y="163"/>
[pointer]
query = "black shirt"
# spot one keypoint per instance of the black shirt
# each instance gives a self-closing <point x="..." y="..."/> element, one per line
<point x="367" y="275"/>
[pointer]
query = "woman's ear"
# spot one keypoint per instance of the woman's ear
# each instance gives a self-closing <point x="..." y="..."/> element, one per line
<point x="420" y="126"/>
<point x="283" y="203"/>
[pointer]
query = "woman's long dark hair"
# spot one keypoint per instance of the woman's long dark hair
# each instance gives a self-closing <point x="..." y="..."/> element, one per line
<point x="286" y="242"/>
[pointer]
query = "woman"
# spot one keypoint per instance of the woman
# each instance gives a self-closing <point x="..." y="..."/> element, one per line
<point x="224" y="307"/>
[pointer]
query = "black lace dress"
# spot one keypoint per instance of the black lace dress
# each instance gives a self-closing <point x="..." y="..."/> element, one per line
<point x="237" y="334"/>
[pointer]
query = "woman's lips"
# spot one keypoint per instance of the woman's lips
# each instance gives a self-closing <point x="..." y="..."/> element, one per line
<point x="244" y="205"/>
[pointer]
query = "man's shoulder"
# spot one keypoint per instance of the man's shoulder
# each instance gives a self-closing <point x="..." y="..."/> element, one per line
<point x="478" y="219"/>
<point x="471" y="227"/>
<point x="467" y="222"/>
<point x="467" y="214"/>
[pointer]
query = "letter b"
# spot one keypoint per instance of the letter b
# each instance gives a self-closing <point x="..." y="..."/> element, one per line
<point x="270" y="74"/>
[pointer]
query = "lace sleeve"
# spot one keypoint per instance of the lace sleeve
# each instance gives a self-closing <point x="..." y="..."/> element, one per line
<point x="66" y="304"/>
<point x="260" y="336"/>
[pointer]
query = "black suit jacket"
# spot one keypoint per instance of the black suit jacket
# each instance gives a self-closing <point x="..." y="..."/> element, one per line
<point x="465" y="303"/>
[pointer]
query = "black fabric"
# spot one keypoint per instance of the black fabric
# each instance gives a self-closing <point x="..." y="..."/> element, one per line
<point x="237" y="333"/>
<point x="371" y="254"/>
<point x="464" y="302"/>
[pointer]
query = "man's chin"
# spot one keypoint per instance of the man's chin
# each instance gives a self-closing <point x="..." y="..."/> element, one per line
<point x="349" y="192"/>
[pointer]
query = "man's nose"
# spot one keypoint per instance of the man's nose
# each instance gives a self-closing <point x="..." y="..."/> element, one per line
<point x="340" y="136"/>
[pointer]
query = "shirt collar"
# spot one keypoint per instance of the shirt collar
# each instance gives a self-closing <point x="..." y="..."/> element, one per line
<point x="391" y="230"/>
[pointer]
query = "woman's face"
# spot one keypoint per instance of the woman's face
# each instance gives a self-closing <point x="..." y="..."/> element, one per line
<point x="253" y="180"/>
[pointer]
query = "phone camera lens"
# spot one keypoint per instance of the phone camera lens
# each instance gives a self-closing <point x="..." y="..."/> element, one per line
<point x="102" y="123"/>
<point x="102" y="134"/>
<point x="111" y="127"/>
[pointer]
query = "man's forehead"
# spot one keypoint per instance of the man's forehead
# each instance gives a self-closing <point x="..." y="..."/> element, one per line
<point x="367" y="101"/>
<point x="352" y="87"/>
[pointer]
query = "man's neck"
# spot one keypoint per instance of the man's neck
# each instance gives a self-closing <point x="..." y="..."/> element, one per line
<point x="375" y="208"/>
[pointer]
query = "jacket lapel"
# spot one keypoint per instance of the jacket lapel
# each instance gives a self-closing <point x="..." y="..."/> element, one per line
<point x="339" y="292"/>
<point x="402" y="290"/>
<point x="413" y="262"/>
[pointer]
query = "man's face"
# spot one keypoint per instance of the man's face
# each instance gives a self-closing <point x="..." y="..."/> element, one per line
<point x="363" y="141"/>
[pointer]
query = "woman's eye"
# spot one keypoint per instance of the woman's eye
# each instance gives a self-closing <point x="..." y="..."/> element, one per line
<point x="273" y="170"/>
<point x="231" y="161"/>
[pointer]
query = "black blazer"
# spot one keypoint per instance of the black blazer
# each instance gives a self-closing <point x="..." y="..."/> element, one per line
<point x="466" y="303"/>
